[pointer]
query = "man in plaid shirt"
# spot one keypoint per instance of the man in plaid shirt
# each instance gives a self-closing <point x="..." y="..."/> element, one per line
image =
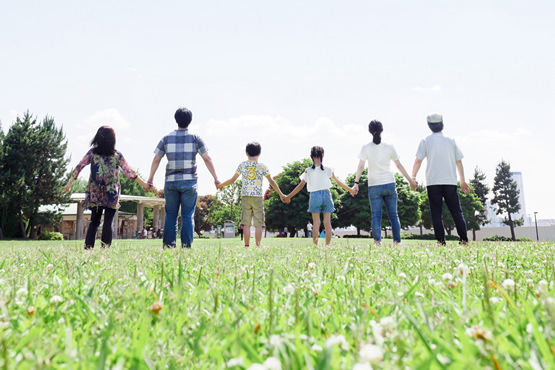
<point x="180" y="187"/>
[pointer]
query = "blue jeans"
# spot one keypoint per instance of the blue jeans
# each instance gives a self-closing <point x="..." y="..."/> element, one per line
<point x="379" y="195"/>
<point x="180" y="194"/>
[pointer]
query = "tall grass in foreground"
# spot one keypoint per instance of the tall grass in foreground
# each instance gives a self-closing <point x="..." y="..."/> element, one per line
<point x="286" y="305"/>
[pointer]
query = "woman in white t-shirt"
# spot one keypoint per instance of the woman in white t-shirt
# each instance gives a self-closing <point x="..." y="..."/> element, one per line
<point x="317" y="177"/>
<point x="381" y="181"/>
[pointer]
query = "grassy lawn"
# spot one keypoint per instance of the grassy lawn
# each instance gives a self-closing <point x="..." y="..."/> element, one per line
<point x="286" y="305"/>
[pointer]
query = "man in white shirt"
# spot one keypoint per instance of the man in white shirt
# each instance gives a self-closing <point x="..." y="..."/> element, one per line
<point x="444" y="161"/>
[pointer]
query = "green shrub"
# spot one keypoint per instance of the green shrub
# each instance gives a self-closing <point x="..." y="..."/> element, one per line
<point x="500" y="238"/>
<point x="50" y="235"/>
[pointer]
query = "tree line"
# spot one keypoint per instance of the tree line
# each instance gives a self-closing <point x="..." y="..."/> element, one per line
<point x="34" y="170"/>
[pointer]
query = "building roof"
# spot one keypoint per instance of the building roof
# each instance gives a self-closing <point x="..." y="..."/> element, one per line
<point x="146" y="201"/>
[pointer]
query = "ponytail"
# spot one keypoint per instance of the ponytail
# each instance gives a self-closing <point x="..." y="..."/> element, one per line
<point x="375" y="127"/>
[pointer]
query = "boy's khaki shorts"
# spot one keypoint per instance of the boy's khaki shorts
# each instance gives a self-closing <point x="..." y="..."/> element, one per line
<point x="252" y="210"/>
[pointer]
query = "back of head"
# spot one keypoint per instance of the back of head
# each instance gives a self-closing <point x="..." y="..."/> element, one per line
<point x="183" y="117"/>
<point x="317" y="152"/>
<point x="435" y="122"/>
<point x="375" y="127"/>
<point x="104" y="142"/>
<point x="253" y="149"/>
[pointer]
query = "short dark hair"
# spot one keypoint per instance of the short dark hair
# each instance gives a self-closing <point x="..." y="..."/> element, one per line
<point x="436" y="126"/>
<point x="183" y="117"/>
<point x="253" y="149"/>
<point x="104" y="142"/>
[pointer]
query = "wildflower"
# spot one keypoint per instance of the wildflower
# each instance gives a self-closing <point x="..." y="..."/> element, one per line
<point x="508" y="285"/>
<point x="336" y="339"/>
<point x="479" y="333"/>
<point x="463" y="269"/>
<point x="360" y="366"/>
<point x="402" y="275"/>
<point x="371" y="353"/>
<point x="447" y="277"/>
<point x="156" y="308"/>
<point x="31" y="311"/>
<point x="256" y="367"/>
<point x="312" y="265"/>
<point x="272" y="363"/>
<point x="494" y="300"/>
<point x="289" y="289"/>
<point x="235" y="362"/>
<point x="55" y="299"/>
<point x="316" y="347"/>
<point x="275" y="340"/>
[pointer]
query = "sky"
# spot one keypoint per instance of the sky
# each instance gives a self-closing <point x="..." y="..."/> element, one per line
<point x="291" y="75"/>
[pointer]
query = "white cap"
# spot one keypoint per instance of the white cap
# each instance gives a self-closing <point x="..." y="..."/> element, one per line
<point x="435" y="118"/>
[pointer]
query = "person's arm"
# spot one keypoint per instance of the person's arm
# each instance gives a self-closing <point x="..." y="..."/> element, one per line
<point x="412" y="182"/>
<point x="274" y="185"/>
<point x="343" y="185"/>
<point x="464" y="186"/>
<point x="131" y="174"/>
<point x="210" y="166"/>
<point x="228" y="182"/>
<point x="416" y="167"/>
<point x="295" y="191"/>
<point x="153" y="168"/>
<point x="360" y="168"/>
<point x="86" y="160"/>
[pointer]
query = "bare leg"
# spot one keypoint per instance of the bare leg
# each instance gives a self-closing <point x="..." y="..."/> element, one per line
<point x="247" y="234"/>
<point x="258" y="235"/>
<point x="315" y="227"/>
<point x="327" y="225"/>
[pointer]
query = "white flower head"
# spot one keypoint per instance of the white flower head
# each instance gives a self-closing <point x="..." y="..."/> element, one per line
<point x="494" y="300"/>
<point x="508" y="285"/>
<point x="289" y="289"/>
<point x="56" y="299"/>
<point x="235" y="362"/>
<point x="447" y="277"/>
<point x="364" y="366"/>
<point x="371" y="353"/>
<point x="463" y="269"/>
<point x="312" y="265"/>
<point x="336" y="339"/>
<point x="272" y="363"/>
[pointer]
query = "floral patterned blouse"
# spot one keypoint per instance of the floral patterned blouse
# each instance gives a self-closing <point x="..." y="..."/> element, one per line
<point x="103" y="189"/>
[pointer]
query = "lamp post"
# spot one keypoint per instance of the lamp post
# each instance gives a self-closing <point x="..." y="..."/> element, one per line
<point x="536" y="222"/>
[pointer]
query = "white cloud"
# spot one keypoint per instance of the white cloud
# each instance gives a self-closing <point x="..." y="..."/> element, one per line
<point x="432" y="89"/>
<point x="109" y="117"/>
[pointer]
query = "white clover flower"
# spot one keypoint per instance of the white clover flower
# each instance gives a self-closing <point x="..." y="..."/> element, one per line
<point x="289" y="289"/>
<point x="479" y="333"/>
<point x="256" y="367"/>
<point x="419" y="295"/>
<point x="50" y="266"/>
<point x="336" y="339"/>
<point x="371" y="353"/>
<point x="388" y="323"/>
<point x="542" y="285"/>
<point x="312" y="265"/>
<point x="360" y="366"/>
<point x="447" y="277"/>
<point x="316" y="347"/>
<point x="508" y="285"/>
<point x="494" y="300"/>
<point x="21" y="291"/>
<point x="56" y="299"/>
<point x="235" y="362"/>
<point x="501" y="265"/>
<point x="463" y="269"/>
<point x="275" y="340"/>
<point x="402" y="275"/>
<point x="272" y="363"/>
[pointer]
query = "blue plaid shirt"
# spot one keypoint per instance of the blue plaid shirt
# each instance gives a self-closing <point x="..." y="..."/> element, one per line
<point x="181" y="148"/>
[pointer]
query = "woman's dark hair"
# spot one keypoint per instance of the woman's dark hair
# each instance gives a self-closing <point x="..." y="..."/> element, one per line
<point x="104" y="142"/>
<point x="253" y="149"/>
<point x="317" y="152"/>
<point x="183" y="117"/>
<point x="375" y="127"/>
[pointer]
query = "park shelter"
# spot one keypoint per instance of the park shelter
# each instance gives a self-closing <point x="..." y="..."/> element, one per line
<point x="75" y="217"/>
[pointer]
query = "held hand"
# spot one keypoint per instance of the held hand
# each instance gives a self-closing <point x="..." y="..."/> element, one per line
<point x="217" y="183"/>
<point x="286" y="199"/>
<point x="465" y="188"/>
<point x="355" y="188"/>
<point x="353" y="191"/>
<point x="413" y="184"/>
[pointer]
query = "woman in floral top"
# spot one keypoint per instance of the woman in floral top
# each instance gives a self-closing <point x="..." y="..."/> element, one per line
<point x="103" y="189"/>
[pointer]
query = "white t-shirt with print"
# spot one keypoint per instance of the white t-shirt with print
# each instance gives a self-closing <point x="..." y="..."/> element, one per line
<point x="253" y="175"/>
<point x="316" y="179"/>
<point x="379" y="157"/>
<point x="442" y="153"/>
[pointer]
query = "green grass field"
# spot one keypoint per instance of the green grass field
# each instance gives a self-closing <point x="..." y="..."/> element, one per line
<point x="286" y="305"/>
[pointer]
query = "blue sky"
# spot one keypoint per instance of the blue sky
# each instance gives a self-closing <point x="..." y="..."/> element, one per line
<point x="291" y="75"/>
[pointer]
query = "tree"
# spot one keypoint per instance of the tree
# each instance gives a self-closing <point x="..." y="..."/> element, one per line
<point x="3" y="200"/>
<point x="203" y="209"/>
<point x="408" y="203"/>
<point x="481" y="190"/>
<point x="505" y="195"/>
<point x="294" y="215"/>
<point x="356" y="210"/>
<point x="230" y="196"/>
<point x="34" y="168"/>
